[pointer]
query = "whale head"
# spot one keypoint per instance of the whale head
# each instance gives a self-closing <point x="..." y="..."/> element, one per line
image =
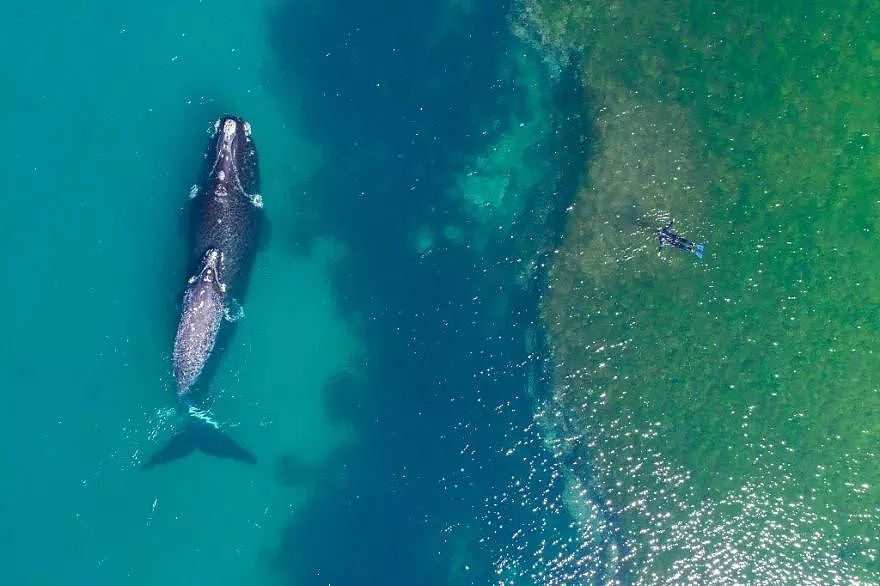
<point x="229" y="128"/>
<point x="233" y="158"/>
<point x="229" y="131"/>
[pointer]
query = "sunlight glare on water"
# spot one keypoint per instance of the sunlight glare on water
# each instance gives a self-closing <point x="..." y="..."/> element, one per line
<point x="461" y="358"/>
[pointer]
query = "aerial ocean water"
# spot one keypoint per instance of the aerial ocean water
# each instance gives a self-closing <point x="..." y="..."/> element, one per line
<point x="730" y="406"/>
<point x="461" y="359"/>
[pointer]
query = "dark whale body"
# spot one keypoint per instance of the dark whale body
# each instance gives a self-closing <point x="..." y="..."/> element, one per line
<point x="227" y="210"/>
<point x="226" y="221"/>
<point x="227" y="217"/>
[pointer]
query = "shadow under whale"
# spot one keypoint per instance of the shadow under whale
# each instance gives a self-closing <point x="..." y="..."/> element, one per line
<point x="204" y="437"/>
<point x="225" y="226"/>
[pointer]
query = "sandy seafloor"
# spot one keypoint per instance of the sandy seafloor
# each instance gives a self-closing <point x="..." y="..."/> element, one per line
<point x="461" y="360"/>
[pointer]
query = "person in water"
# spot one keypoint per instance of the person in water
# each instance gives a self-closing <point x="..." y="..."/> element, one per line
<point x="667" y="236"/>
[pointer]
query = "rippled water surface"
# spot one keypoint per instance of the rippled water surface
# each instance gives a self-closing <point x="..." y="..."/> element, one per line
<point x="730" y="406"/>
<point x="461" y="360"/>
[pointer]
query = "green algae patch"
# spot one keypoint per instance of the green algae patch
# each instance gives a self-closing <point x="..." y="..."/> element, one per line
<point x="730" y="407"/>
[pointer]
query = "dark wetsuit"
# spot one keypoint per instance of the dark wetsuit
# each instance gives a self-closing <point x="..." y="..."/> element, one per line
<point x="666" y="236"/>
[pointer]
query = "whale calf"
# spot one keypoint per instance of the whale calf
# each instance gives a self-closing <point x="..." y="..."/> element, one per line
<point x="227" y="216"/>
<point x="204" y="304"/>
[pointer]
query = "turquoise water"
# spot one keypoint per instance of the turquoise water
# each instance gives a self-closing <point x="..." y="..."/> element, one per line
<point x="382" y="372"/>
<point x="461" y="361"/>
<point x="109" y="108"/>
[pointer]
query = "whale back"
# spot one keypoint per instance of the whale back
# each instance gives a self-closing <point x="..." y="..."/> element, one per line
<point x="228" y="207"/>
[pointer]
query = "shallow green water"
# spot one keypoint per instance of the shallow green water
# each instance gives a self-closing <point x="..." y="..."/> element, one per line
<point x="730" y="406"/>
<point x="710" y="422"/>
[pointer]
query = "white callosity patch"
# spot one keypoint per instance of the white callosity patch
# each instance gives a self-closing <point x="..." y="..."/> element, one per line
<point x="229" y="130"/>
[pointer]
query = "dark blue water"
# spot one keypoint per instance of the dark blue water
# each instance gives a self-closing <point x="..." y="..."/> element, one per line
<point x="391" y="375"/>
<point x="416" y="163"/>
<point x="449" y="481"/>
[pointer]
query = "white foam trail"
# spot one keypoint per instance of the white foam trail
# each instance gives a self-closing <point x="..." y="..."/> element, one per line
<point x="203" y="415"/>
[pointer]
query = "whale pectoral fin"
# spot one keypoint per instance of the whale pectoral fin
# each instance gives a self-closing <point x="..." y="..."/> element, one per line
<point x="194" y="191"/>
<point x="234" y="311"/>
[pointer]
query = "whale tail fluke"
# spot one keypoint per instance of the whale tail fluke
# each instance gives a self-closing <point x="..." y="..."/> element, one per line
<point x="204" y="436"/>
<point x="698" y="250"/>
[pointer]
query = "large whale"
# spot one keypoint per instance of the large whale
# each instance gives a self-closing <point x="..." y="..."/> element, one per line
<point x="228" y="207"/>
<point x="226" y="221"/>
